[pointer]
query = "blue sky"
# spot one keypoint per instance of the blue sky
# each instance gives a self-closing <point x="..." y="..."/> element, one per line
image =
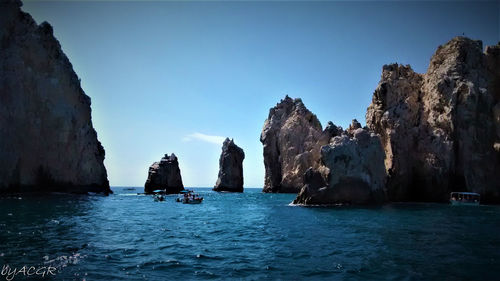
<point x="181" y="76"/>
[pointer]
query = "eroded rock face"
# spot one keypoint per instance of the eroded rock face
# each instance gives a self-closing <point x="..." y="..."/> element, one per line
<point x="352" y="172"/>
<point x="164" y="175"/>
<point x="438" y="129"/>
<point x="292" y="137"/>
<point x="230" y="168"/>
<point x="47" y="141"/>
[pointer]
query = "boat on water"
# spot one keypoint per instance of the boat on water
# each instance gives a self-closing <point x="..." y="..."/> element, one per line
<point x="465" y="198"/>
<point x="189" y="197"/>
<point x="159" y="197"/>
<point x="192" y="201"/>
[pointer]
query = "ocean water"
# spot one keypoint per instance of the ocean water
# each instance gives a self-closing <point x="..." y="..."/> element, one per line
<point x="248" y="236"/>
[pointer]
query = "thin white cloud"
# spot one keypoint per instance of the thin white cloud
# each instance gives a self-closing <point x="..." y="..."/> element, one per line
<point x="206" y="138"/>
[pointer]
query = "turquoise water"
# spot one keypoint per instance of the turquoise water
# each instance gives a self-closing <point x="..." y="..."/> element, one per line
<point x="250" y="236"/>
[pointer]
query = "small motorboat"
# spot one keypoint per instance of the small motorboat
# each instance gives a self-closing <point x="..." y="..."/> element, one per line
<point x="465" y="198"/>
<point x="193" y="201"/>
<point x="158" y="197"/>
<point x="189" y="197"/>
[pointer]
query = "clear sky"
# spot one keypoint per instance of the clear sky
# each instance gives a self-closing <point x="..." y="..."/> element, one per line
<point x="181" y="76"/>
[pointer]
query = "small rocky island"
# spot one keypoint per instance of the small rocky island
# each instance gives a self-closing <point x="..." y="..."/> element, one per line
<point x="47" y="141"/>
<point x="230" y="168"/>
<point x="165" y="175"/>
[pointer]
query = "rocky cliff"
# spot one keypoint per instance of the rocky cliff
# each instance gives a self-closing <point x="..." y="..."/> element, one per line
<point x="292" y="137"/>
<point x="440" y="129"/>
<point x="164" y="175"/>
<point x="352" y="172"/>
<point x="230" y="168"/>
<point x="47" y="141"/>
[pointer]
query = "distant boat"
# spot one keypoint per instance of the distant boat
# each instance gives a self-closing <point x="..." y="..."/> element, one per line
<point x="465" y="198"/>
<point x="158" y="197"/>
<point x="188" y="197"/>
<point x="193" y="201"/>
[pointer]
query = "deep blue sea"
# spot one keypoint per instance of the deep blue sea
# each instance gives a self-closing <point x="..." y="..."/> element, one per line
<point x="248" y="236"/>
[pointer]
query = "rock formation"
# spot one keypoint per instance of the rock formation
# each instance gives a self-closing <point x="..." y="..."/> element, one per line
<point x="492" y="55"/>
<point x="292" y="137"/>
<point x="230" y="168"/>
<point x="353" y="172"/>
<point x="47" y="141"/>
<point x="440" y="129"/>
<point x="164" y="175"/>
<point x="353" y="127"/>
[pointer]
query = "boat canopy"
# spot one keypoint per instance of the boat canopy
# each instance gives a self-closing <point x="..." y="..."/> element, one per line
<point x="467" y="193"/>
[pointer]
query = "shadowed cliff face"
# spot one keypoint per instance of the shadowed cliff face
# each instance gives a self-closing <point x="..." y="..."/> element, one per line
<point x="439" y="129"/>
<point x="47" y="142"/>
<point x="164" y="175"/>
<point x="292" y="137"/>
<point x="492" y="54"/>
<point x="230" y="168"/>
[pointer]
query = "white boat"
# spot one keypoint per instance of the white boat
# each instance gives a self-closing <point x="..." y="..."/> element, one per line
<point x="465" y="198"/>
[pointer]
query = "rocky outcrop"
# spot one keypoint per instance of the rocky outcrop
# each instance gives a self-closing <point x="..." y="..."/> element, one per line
<point x="353" y="127"/>
<point x="438" y="129"/>
<point x="292" y="137"/>
<point x="230" y="168"/>
<point x="47" y="141"/>
<point x="352" y="172"/>
<point x="164" y="175"/>
<point x="492" y="55"/>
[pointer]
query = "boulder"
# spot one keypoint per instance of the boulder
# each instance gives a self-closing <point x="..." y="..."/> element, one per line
<point x="438" y="129"/>
<point x="352" y="172"/>
<point x="230" y="168"/>
<point x="165" y="175"/>
<point x="292" y="137"/>
<point x="47" y="140"/>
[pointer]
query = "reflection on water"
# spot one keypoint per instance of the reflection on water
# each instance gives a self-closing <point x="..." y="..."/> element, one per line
<point x="250" y="236"/>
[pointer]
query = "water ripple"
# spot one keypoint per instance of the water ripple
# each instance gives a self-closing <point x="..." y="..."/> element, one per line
<point x="250" y="236"/>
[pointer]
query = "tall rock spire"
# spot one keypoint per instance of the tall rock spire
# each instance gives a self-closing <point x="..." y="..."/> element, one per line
<point x="47" y="141"/>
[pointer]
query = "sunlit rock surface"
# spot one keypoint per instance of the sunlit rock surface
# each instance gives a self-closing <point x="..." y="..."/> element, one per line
<point x="352" y="172"/>
<point x="292" y="137"/>
<point x="441" y="130"/>
<point x="47" y="141"/>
